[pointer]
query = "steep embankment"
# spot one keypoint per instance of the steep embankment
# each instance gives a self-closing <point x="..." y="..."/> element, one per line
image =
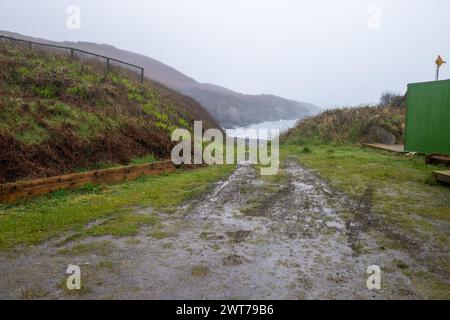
<point x="58" y="115"/>
<point x="230" y="108"/>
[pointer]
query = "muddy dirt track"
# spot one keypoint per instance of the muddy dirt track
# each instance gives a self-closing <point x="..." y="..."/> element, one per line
<point x="248" y="238"/>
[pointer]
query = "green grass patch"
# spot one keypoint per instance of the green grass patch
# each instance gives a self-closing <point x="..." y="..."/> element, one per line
<point x="102" y="248"/>
<point x="106" y="265"/>
<point x="400" y="182"/>
<point x="133" y="242"/>
<point x="33" y="221"/>
<point x="121" y="225"/>
<point x="403" y="197"/>
<point x="145" y="159"/>
<point x="85" y="289"/>
<point x="200" y="271"/>
<point x="33" y="293"/>
<point x="48" y="92"/>
<point x="430" y="285"/>
<point x="158" y="234"/>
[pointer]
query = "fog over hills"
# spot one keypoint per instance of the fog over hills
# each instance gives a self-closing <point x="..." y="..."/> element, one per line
<point x="230" y="108"/>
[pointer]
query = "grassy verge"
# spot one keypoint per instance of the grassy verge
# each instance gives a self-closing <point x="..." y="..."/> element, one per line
<point x="404" y="185"/>
<point x="39" y="219"/>
<point x="406" y="198"/>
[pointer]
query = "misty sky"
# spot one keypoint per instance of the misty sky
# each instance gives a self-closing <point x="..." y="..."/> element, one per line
<point x="327" y="52"/>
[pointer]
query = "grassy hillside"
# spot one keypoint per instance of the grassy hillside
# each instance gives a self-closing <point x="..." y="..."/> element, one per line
<point x="230" y="108"/>
<point x="60" y="115"/>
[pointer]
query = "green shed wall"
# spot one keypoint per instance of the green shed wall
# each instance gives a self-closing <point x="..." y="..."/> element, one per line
<point x="428" y="117"/>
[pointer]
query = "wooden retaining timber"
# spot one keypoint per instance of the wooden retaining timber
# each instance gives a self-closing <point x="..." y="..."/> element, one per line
<point x="10" y="192"/>
<point x="438" y="158"/>
<point x="443" y="176"/>
<point x="399" y="148"/>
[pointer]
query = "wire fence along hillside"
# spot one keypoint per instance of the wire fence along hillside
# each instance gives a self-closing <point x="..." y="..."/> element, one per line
<point x="79" y="54"/>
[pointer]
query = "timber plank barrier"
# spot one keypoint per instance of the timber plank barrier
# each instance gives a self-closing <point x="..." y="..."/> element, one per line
<point x="399" y="148"/>
<point x="11" y="192"/>
<point x="442" y="176"/>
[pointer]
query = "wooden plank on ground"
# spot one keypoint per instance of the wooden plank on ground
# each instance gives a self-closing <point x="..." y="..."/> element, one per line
<point x="438" y="158"/>
<point x="443" y="176"/>
<point x="399" y="148"/>
<point x="10" y="192"/>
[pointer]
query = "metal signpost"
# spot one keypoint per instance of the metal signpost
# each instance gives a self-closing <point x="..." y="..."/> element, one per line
<point x="439" y="63"/>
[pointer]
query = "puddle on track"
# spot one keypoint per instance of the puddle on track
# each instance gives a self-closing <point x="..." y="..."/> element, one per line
<point x="296" y="247"/>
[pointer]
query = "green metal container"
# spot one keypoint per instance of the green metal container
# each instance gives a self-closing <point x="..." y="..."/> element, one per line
<point x="428" y="117"/>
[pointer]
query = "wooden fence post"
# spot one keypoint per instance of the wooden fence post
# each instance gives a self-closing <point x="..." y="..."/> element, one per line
<point x="142" y="75"/>
<point x="107" y="64"/>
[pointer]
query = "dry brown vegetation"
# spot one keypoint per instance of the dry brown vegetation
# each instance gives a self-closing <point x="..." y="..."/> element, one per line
<point x="352" y="124"/>
<point x="59" y="115"/>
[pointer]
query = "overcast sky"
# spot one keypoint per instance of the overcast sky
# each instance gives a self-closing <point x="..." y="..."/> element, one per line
<point x="327" y="52"/>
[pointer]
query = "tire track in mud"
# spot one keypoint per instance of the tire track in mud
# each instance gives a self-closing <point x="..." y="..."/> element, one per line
<point x="250" y="238"/>
<point x="270" y="240"/>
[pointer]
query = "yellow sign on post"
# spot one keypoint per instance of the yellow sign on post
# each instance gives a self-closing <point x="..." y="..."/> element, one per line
<point x="439" y="62"/>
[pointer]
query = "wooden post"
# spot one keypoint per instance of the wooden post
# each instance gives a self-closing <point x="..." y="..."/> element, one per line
<point x="71" y="53"/>
<point x="107" y="64"/>
<point x="142" y="75"/>
<point x="30" y="45"/>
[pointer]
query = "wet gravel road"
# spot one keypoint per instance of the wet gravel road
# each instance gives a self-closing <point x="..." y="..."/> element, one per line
<point x="250" y="237"/>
